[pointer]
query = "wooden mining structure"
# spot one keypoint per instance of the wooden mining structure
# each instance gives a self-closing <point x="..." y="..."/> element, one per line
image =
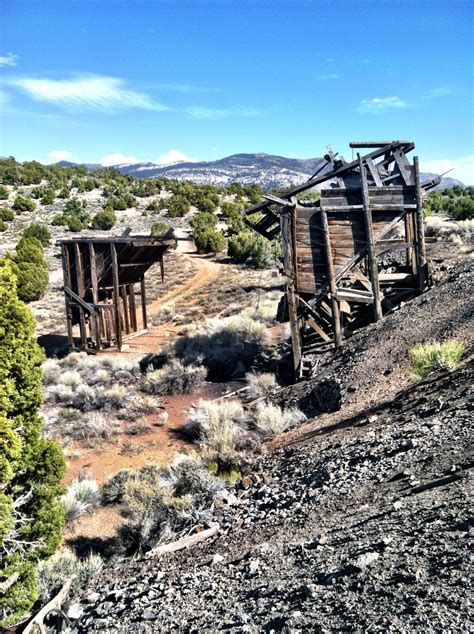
<point x="354" y="255"/>
<point x="104" y="287"/>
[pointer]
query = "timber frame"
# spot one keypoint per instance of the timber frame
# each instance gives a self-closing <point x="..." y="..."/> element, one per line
<point x="104" y="287"/>
<point x="354" y="255"/>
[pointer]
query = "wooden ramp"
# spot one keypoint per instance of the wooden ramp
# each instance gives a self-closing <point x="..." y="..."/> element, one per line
<point x="355" y="254"/>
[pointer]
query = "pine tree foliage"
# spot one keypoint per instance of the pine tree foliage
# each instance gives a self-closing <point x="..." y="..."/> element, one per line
<point x="31" y="467"/>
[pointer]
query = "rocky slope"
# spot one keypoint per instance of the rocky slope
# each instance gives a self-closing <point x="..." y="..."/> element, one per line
<point x="358" y="521"/>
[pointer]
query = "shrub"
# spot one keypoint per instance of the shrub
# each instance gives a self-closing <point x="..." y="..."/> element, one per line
<point x="177" y="206"/>
<point x="53" y="573"/>
<point x="23" y="203"/>
<point x="32" y="281"/>
<point x="6" y="214"/>
<point x="260" y="384"/>
<point x="226" y="347"/>
<point x="209" y="241"/>
<point x="3" y="193"/>
<point x="113" y="490"/>
<point x="81" y="497"/>
<point x="430" y="357"/>
<point x="104" y="220"/>
<point x="174" y="378"/>
<point x="3" y="226"/>
<point x="218" y="427"/>
<point x="64" y="193"/>
<point x="40" y="232"/>
<point x="251" y="248"/>
<point x="31" y="467"/>
<point x="270" y="420"/>
<point x="203" y="220"/>
<point x="48" y="196"/>
<point x="161" y="229"/>
<point x="30" y="249"/>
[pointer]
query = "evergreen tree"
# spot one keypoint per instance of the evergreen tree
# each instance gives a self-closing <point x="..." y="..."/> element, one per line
<point x="31" y="467"/>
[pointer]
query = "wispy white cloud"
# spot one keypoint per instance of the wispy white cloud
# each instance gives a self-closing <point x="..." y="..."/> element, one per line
<point x="87" y="92"/>
<point x="463" y="168"/>
<point x="10" y="59"/>
<point x="329" y="76"/>
<point x="199" y="112"/>
<point x="59" y="155"/>
<point x="116" y="158"/>
<point x="378" y="105"/>
<point x="185" y="88"/>
<point x="173" y="156"/>
<point x="443" y="91"/>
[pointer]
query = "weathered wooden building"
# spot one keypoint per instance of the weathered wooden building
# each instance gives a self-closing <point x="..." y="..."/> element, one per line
<point x="356" y="253"/>
<point x="104" y="287"/>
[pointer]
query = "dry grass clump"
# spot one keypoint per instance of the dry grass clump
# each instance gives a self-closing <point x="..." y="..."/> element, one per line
<point x="442" y="228"/>
<point x="53" y="572"/>
<point x="162" y="504"/>
<point x="270" y="420"/>
<point x="430" y="357"/>
<point x="174" y="378"/>
<point x="74" y="425"/>
<point x="226" y="347"/>
<point x="260" y="384"/>
<point x="82" y="496"/>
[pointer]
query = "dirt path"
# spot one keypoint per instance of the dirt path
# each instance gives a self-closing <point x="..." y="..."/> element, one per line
<point x="207" y="271"/>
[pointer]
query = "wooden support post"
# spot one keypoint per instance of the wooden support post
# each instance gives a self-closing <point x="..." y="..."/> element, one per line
<point x="420" y="233"/>
<point x="133" y="308"/>
<point x="143" y="298"/>
<point x="81" y="293"/>
<point x="336" y="316"/>
<point x="123" y="290"/>
<point x="116" y="296"/>
<point x="67" y="284"/>
<point x="95" y="294"/>
<point x="372" y="258"/>
<point x="289" y="267"/>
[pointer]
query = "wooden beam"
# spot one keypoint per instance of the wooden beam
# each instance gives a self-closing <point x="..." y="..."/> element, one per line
<point x="143" y="300"/>
<point x="336" y="317"/>
<point x="67" y="283"/>
<point x="374" y="272"/>
<point x="116" y="295"/>
<point x="95" y="292"/>
<point x="133" y="308"/>
<point x="420" y="233"/>
<point x="80" y="292"/>
<point x="289" y="267"/>
<point x="374" y="172"/>
<point x="123" y="290"/>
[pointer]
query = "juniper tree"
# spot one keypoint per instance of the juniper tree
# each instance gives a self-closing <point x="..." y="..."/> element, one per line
<point x="31" y="467"/>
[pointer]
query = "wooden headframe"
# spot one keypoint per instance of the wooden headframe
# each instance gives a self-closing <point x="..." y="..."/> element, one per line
<point x="100" y="280"/>
<point x="353" y="255"/>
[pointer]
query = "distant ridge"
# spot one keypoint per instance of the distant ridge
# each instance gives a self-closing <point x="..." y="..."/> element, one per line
<point x="268" y="170"/>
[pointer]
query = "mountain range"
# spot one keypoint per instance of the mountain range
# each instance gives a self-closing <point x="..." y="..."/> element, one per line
<point x="269" y="171"/>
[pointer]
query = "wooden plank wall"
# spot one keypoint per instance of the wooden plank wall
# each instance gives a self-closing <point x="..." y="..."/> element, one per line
<point x="346" y="226"/>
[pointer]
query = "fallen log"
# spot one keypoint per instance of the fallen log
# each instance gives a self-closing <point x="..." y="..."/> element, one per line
<point x="37" y="623"/>
<point x="184" y="542"/>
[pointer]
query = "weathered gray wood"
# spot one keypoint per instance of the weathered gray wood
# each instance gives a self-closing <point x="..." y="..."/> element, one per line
<point x="288" y="246"/>
<point x="133" y="308"/>
<point x="336" y="318"/>
<point x="67" y="284"/>
<point x="143" y="300"/>
<point x="420" y="233"/>
<point x="184" y="542"/>
<point x="374" y="273"/>
<point x="80" y="292"/>
<point x="116" y="296"/>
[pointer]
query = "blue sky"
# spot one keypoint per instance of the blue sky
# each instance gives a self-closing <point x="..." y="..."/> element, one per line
<point x="158" y="80"/>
